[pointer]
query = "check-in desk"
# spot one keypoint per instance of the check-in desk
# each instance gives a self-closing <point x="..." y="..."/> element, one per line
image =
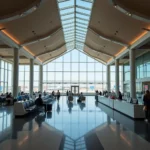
<point x="131" y="110"/>
<point x="106" y="101"/>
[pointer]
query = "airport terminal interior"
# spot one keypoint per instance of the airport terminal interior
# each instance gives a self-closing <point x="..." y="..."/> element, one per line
<point x="73" y="74"/>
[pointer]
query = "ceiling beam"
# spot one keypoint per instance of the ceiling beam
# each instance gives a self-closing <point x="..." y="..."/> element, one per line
<point x="19" y="14"/>
<point x="144" y="47"/>
<point x="93" y="57"/>
<point x="10" y="61"/>
<point x="49" y="51"/>
<point x="11" y="57"/>
<point x="5" y="46"/>
<point x="41" y="39"/>
<point x="129" y="13"/>
<point x="6" y="38"/>
<point x="100" y="51"/>
<point x="108" y="39"/>
<point x="141" y="40"/>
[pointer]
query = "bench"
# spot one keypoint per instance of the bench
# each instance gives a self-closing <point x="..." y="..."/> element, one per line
<point x="22" y="108"/>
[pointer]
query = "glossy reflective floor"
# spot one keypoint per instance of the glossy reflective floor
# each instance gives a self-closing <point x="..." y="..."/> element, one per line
<point x="84" y="126"/>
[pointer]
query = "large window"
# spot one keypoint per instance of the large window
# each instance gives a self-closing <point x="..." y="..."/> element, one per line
<point x="112" y="78"/>
<point x="74" y="68"/>
<point x="5" y="77"/>
<point x="24" y="78"/>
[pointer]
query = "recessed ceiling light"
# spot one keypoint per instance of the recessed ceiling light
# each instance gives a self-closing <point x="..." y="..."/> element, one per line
<point x="129" y="14"/>
<point x="34" y="8"/>
<point x="115" y="6"/>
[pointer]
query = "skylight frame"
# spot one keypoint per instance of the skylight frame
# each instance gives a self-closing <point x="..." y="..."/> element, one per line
<point x="75" y="17"/>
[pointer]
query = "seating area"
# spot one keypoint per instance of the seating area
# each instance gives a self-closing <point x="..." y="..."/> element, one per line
<point x="6" y="101"/>
<point x="48" y="98"/>
<point x="22" y="108"/>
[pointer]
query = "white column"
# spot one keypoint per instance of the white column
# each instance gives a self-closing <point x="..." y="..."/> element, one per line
<point x="108" y="78"/>
<point x="123" y="78"/>
<point x="132" y="74"/>
<point x="31" y="77"/>
<point x="15" y="72"/>
<point x="117" y="76"/>
<point x="41" y="78"/>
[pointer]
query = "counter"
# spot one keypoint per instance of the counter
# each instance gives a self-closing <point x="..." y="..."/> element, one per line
<point x="131" y="110"/>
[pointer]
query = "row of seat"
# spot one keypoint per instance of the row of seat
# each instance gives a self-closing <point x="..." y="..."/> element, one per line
<point x="48" y="98"/>
<point x="24" y="107"/>
<point x="29" y="105"/>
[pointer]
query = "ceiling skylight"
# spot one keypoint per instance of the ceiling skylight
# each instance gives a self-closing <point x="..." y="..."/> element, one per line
<point x="75" y="17"/>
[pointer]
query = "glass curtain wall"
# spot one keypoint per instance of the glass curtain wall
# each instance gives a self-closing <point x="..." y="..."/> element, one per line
<point x="142" y="72"/>
<point x="5" y="76"/>
<point x="24" y="78"/>
<point x="74" y="68"/>
<point x="112" y="78"/>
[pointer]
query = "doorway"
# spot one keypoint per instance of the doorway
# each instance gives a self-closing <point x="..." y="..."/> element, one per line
<point x="146" y="86"/>
<point x="75" y="90"/>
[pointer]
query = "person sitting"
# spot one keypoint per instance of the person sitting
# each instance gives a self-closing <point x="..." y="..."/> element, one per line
<point x="39" y="101"/>
<point x="22" y="93"/>
<point x="80" y="97"/>
<point x="8" y="98"/>
<point x="100" y="93"/>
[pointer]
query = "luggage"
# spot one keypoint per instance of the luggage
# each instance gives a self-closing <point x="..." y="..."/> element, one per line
<point x="49" y="107"/>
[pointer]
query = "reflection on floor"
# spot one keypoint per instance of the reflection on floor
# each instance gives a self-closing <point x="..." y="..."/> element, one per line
<point x="73" y="126"/>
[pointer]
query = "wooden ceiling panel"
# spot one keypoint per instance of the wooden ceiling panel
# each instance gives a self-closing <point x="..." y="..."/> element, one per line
<point x="110" y="22"/>
<point x="97" y="55"/>
<point x="52" y="43"/>
<point x="42" y="22"/>
<point x="97" y="43"/>
<point x="9" y="7"/>
<point x="51" y="55"/>
<point x="139" y="7"/>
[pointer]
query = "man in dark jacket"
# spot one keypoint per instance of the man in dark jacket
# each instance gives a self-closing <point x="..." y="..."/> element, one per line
<point x="146" y="100"/>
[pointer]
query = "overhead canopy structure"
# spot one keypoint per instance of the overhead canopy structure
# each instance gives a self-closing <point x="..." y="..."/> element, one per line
<point x="46" y="29"/>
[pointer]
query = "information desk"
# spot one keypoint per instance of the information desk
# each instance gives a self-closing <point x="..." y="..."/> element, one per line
<point x="131" y="110"/>
<point x="106" y="101"/>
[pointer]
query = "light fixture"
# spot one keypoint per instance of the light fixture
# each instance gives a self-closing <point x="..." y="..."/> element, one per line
<point x="115" y="6"/>
<point x="129" y="14"/>
<point x="35" y="7"/>
<point x="21" y="15"/>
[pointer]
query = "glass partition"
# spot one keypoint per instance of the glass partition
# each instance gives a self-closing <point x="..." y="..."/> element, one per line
<point x="5" y="76"/>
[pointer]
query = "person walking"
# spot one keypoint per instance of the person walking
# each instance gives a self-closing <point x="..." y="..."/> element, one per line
<point x="58" y="95"/>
